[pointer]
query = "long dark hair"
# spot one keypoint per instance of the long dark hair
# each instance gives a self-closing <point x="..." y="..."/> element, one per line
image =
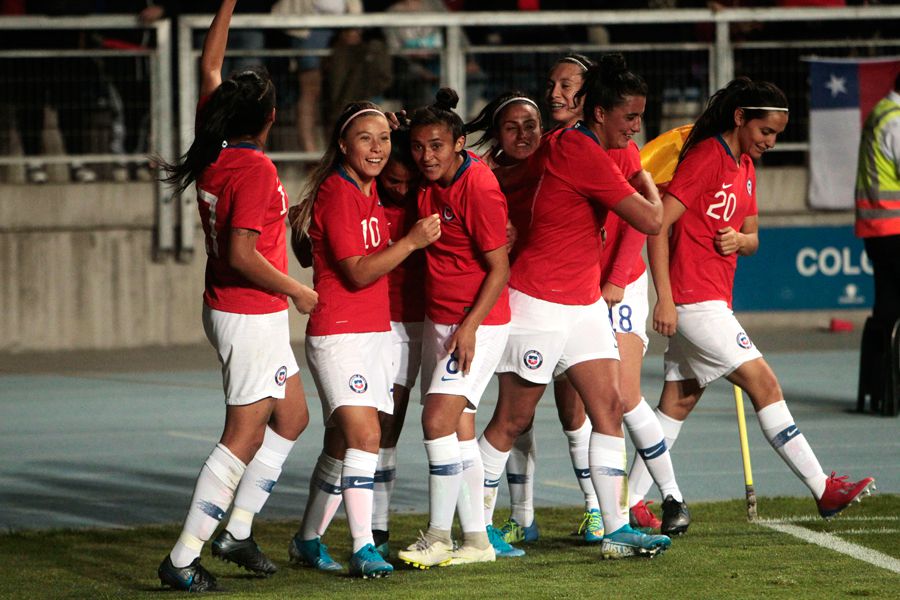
<point x="440" y="113"/>
<point x="488" y="119"/>
<point x="301" y="214"/>
<point x="239" y="107"/>
<point x="718" y="117"/>
<point x="607" y="83"/>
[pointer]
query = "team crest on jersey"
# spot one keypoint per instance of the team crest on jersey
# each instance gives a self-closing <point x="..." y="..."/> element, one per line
<point x="749" y="187"/>
<point x="358" y="383"/>
<point x="448" y="214"/>
<point x="533" y="359"/>
<point x="743" y="340"/>
<point x="281" y="375"/>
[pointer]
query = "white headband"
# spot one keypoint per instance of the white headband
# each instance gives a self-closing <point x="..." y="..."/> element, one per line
<point x="572" y="59"/>
<point x="356" y="114"/>
<point x="775" y="108"/>
<point x="510" y="101"/>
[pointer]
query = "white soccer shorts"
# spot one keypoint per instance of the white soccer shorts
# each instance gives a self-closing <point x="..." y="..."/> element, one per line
<point x="406" y="353"/>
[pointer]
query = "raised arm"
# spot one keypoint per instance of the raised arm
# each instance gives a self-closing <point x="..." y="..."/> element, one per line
<point x="214" y="49"/>
<point x="643" y="209"/>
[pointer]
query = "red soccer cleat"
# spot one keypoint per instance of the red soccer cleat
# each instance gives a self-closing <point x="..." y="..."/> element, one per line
<point x="641" y="517"/>
<point x="839" y="493"/>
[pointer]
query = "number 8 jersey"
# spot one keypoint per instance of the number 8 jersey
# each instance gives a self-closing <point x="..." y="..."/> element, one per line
<point x="717" y="192"/>
<point x="346" y="223"/>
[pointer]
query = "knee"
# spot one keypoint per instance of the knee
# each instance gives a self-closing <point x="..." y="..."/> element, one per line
<point x="367" y="440"/>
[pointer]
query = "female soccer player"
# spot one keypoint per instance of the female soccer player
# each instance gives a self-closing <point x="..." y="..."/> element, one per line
<point x="348" y="341"/>
<point x="242" y="207"/>
<point x="558" y="324"/>
<point x="710" y="208"/>
<point x="398" y="189"/>
<point x="466" y="326"/>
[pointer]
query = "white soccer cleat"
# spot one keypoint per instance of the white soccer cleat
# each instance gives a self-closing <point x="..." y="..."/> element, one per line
<point x="424" y="554"/>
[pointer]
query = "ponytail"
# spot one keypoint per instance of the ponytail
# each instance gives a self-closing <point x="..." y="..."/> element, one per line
<point x="607" y="83"/>
<point x="757" y="98"/>
<point x="241" y="106"/>
<point x="441" y="113"/>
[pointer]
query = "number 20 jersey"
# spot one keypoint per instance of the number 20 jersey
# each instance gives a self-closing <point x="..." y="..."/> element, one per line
<point x="717" y="192"/>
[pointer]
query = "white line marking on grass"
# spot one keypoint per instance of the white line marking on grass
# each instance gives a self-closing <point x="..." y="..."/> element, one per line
<point x="811" y="518"/>
<point x="884" y="530"/>
<point x="826" y="540"/>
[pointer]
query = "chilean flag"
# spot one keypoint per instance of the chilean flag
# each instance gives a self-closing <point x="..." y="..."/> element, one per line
<point x="842" y="94"/>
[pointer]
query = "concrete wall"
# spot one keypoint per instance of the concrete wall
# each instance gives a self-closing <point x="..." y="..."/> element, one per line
<point x="77" y="271"/>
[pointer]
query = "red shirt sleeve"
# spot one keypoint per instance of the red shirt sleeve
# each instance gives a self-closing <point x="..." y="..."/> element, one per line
<point x="340" y="220"/>
<point x="751" y="175"/>
<point x="631" y="241"/>
<point x="485" y="211"/>
<point x="627" y="159"/>
<point x="693" y="177"/>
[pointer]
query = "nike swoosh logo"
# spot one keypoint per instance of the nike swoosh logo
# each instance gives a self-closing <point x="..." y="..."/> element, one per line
<point x="445" y="378"/>
<point x="725" y="187"/>
<point x="791" y="434"/>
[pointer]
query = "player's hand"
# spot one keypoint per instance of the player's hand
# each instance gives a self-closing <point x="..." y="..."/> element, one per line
<point x="612" y="294"/>
<point x="305" y="299"/>
<point x="396" y="120"/>
<point x="512" y="234"/>
<point x="462" y="342"/>
<point x="665" y="318"/>
<point x="727" y="241"/>
<point x="425" y="231"/>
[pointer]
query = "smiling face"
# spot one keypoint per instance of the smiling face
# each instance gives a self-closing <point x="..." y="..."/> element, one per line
<point x="519" y="130"/>
<point x="366" y="145"/>
<point x="435" y="152"/>
<point x="563" y="83"/>
<point x="758" y="135"/>
<point x="616" y="127"/>
<point x="398" y="180"/>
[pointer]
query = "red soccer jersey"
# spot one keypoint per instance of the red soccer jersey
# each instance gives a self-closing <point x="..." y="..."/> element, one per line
<point x="241" y="190"/>
<point x="406" y="282"/>
<point x="518" y="183"/>
<point x="717" y="192"/>
<point x="579" y="184"/>
<point x="620" y="261"/>
<point x="473" y="222"/>
<point x="345" y="223"/>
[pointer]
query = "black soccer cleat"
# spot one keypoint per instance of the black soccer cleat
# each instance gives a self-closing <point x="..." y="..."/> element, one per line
<point x="243" y="553"/>
<point x="676" y="518"/>
<point x="192" y="578"/>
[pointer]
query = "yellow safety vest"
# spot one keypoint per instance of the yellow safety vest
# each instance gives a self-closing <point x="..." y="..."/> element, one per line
<point x="877" y="177"/>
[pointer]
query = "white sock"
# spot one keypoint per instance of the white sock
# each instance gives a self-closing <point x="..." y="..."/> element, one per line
<point x="639" y="478"/>
<point x="579" y="441"/>
<point x="607" y="456"/>
<point x="778" y="426"/>
<point x="385" y="474"/>
<point x="650" y="444"/>
<point x="444" y="480"/>
<point x="520" y="477"/>
<point x="493" y="461"/>
<point x="213" y="492"/>
<point x="324" y="497"/>
<point x="357" y="485"/>
<point x="470" y="503"/>
<point x="256" y="485"/>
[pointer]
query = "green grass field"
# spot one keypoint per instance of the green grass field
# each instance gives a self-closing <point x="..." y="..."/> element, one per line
<point x="723" y="556"/>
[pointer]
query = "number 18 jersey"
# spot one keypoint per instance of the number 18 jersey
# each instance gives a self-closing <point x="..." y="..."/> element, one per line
<point x="717" y="192"/>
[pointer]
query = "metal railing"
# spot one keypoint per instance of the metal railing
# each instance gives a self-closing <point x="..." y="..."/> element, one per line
<point x="682" y="70"/>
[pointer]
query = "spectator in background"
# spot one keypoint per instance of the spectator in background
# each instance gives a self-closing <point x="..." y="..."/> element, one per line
<point x="878" y="223"/>
<point x="308" y="118"/>
<point x="359" y="68"/>
<point x="417" y="73"/>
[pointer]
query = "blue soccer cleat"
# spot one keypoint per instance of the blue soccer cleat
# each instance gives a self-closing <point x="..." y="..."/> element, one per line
<point x="591" y="528"/>
<point x="312" y="553"/>
<point x="367" y="562"/>
<point x="626" y="542"/>
<point x="502" y="549"/>
<point x="513" y="532"/>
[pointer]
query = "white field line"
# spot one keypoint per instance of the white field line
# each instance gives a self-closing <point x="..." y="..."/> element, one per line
<point x="811" y="518"/>
<point x="826" y="540"/>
